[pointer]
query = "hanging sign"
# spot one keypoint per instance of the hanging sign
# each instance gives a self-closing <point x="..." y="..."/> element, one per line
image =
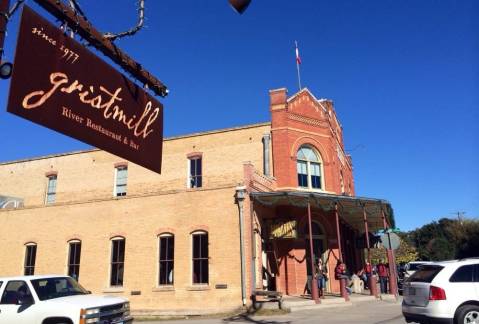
<point x="283" y="229"/>
<point x="60" y="84"/>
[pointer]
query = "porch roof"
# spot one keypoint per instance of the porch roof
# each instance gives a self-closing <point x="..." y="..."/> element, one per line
<point x="350" y="208"/>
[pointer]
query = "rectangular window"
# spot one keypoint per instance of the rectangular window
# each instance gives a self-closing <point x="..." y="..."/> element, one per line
<point x="117" y="262"/>
<point x="463" y="274"/>
<point x="74" y="260"/>
<point x="167" y="257"/>
<point x="195" y="173"/>
<point x="51" y="189"/>
<point x="476" y="273"/>
<point x="200" y="258"/>
<point x="315" y="175"/>
<point x="30" y="257"/>
<point x="302" y="168"/>
<point x="425" y="274"/>
<point x="120" y="182"/>
<point x="16" y="290"/>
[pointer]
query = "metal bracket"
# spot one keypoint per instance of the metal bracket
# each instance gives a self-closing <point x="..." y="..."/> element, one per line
<point x="104" y="45"/>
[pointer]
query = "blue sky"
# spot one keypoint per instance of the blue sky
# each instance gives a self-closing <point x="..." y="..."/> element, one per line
<point x="403" y="75"/>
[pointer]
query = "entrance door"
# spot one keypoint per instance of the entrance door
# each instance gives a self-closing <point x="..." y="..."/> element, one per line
<point x="319" y="247"/>
<point x="318" y="251"/>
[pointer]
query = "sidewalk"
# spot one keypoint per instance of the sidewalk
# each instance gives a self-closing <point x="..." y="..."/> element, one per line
<point x="299" y="303"/>
<point x="359" y="310"/>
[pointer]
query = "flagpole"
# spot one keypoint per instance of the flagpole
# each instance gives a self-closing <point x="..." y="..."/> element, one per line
<point x="297" y="65"/>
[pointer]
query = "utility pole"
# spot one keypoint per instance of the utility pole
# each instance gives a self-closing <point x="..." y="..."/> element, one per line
<point x="460" y="216"/>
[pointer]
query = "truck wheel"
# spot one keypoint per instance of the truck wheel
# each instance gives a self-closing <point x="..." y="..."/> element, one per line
<point x="468" y="314"/>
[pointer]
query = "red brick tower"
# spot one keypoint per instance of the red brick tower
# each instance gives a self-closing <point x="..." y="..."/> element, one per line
<point x="304" y="121"/>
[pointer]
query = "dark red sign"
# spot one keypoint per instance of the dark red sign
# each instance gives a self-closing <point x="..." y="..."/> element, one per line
<point x="60" y="84"/>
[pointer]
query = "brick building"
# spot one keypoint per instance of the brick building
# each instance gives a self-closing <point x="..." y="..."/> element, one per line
<point x="227" y="216"/>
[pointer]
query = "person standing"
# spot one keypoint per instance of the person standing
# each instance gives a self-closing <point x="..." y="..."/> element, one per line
<point x="368" y="271"/>
<point x="383" y="276"/>
<point x="320" y="277"/>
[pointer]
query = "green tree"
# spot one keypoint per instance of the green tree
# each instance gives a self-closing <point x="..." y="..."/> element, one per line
<point x="446" y="239"/>
<point x="406" y="251"/>
<point x="468" y="245"/>
<point x="404" y="254"/>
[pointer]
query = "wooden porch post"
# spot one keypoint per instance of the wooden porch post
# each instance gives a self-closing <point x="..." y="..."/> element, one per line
<point x="314" y="283"/>
<point x="342" y="282"/>
<point x="371" y="279"/>
<point x="393" y="289"/>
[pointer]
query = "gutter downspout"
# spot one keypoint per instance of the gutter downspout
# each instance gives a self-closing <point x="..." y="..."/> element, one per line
<point x="253" y="249"/>
<point x="240" y="197"/>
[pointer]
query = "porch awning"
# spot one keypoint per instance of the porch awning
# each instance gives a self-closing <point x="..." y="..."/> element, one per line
<point x="350" y="208"/>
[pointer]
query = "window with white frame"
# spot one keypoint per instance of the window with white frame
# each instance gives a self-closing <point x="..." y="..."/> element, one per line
<point x="309" y="168"/>
<point x="200" y="257"/>
<point x="121" y="177"/>
<point x="74" y="253"/>
<point x="51" y="189"/>
<point x="195" y="172"/>
<point x="30" y="258"/>
<point x="166" y="259"/>
<point x="117" y="261"/>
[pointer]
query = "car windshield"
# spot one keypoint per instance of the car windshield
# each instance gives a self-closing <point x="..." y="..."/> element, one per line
<point x="49" y="288"/>
<point x="425" y="273"/>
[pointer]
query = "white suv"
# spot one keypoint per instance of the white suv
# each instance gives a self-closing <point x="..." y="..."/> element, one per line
<point x="443" y="292"/>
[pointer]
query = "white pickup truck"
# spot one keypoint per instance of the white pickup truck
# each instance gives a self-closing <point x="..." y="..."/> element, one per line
<point x="55" y="299"/>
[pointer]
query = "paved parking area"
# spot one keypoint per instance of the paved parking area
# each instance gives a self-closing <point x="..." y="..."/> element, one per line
<point x="377" y="312"/>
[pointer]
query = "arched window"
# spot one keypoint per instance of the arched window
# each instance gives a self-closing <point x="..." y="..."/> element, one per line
<point x="310" y="169"/>
<point x="117" y="261"/>
<point x="341" y="180"/>
<point x="74" y="253"/>
<point x="200" y="257"/>
<point x="30" y="258"/>
<point x="166" y="258"/>
<point x="316" y="229"/>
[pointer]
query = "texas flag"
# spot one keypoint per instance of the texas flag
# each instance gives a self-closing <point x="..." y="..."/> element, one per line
<point x="298" y="59"/>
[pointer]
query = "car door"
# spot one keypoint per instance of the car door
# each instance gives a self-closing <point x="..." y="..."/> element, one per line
<point x="461" y="287"/>
<point x="11" y="309"/>
<point x="476" y="280"/>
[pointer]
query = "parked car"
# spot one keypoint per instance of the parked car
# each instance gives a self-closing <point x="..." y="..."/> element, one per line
<point x="55" y="299"/>
<point x="400" y="277"/>
<point x="443" y="292"/>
